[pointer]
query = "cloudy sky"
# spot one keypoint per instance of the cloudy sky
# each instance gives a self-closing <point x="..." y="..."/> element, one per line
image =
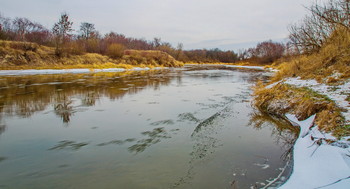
<point x="227" y="24"/>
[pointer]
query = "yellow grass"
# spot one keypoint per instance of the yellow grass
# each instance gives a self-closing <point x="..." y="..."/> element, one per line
<point x="302" y="102"/>
<point x="330" y="65"/>
<point x="22" y="55"/>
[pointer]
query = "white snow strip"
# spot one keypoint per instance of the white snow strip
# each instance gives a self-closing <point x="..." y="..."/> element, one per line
<point x="248" y="67"/>
<point x="335" y="93"/>
<point x="253" y="67"/>
<point x="237" y="66"/>
<point x="73" y="71"/>
<point x="317" y="165"/>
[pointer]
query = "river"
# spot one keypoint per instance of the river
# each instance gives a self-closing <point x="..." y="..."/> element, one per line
<point x="191" y="127"/>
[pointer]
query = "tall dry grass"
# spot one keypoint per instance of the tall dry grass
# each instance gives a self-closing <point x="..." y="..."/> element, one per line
<point x="22" y="55"/>
<point x="329" y="65"/>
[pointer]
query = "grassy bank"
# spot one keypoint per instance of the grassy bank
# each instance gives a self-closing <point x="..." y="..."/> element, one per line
<point x="282" y="98"/>
<point x="22" y="55"/>
<point x="329" y="66"/>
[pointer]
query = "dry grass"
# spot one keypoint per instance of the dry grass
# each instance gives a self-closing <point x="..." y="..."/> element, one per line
<point x="331" y="64"/>
<point x="150" y="57"/>
<point x="73" y="66"/>
<point x="282" y="98"/>
<point x="21" y="55"/>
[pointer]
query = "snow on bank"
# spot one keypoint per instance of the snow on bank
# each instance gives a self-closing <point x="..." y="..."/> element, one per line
<point x="237" y="66"/>
<point x="73" y="71"/>
<point x="247" y="67"/>
<point x="335" y="93"/>
<point x="86" y="70"/>
<point x="317" y="164"/>
<point x="253" y="67"/>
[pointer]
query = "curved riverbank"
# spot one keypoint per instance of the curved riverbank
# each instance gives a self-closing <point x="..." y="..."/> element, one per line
<point x="318" y="164"/>
<point x="321" y="160"/>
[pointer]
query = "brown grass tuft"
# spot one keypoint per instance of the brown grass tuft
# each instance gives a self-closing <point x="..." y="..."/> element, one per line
<point x="282" y="98"/>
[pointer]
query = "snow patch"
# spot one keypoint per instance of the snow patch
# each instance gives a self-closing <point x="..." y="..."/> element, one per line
<point x="248" y="67"/>
<point x="336" y="93"/>
<point x="73" y="71"/>
<point x="316" y="163"/>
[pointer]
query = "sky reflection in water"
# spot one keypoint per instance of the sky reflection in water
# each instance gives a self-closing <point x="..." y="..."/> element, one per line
<point x="181" y="128"/>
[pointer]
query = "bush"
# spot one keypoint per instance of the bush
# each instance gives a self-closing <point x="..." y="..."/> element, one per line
<point x="73" y="48"/>
<point x="115" y="50"/>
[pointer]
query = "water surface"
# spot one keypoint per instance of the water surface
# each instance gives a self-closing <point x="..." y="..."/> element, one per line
<point x="178" y="128"/>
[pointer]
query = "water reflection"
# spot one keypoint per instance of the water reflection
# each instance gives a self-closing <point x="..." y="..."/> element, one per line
<point x="63" y="108"/>
<point x="177" y="128"/>
<point x="284" y="135"/>
<point x="24" y="95"/>
<point x="2" y="128"/>
<point x="283" y="132"/>
<point x="207" y="141"/>
<point x="89" y="99"/>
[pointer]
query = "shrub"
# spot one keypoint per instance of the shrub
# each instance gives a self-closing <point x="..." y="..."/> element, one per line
<point x="115" y="50"/>
<point x="73" y="48"/>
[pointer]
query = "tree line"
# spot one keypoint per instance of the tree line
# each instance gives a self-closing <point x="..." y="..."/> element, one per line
<point x="87" y="39"/>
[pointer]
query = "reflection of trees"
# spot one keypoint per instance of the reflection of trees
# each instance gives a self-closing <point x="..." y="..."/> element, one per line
<point x="284" y="135"/>
<point x="25" y="95"/>
<point x="89" y="99"/>
<point x="283" y="132"/>
<point x="63" y="108"/>
<point x="2" y="128"/>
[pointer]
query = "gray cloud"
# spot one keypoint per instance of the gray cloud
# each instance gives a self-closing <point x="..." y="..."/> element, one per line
<point x="195" y="23"/>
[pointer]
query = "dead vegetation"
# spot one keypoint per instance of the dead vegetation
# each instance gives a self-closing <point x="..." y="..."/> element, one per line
<point x="330" y="65"/>
<point x="323" y="38"/>
<point x="282" y="98"/>
<point x="25" y="55"/>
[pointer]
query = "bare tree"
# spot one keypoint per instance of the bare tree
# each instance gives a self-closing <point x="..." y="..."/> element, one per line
<point x="157" y="42"/>
<point x="21" y="27"/>
<point x="5" y="27"/>
<point x="38" y="34"/>
<point x="313" y="31"/>
<point x="61" y="31"/>
<point x="87" y="30"/>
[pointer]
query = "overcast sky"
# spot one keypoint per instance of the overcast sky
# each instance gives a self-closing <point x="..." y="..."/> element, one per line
<point x="227" y="24"/>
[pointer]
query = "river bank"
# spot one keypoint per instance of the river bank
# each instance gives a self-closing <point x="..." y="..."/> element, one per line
<point x="73" y="71"/>
<point x="321" y="153"/>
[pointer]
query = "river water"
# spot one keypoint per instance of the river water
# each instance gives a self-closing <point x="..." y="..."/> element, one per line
<point x="192" y="127"/>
